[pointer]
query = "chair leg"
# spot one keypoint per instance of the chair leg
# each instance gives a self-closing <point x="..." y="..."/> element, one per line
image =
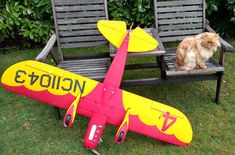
<point x="160" y="61"/>
<point x="57" y="113"/>
<point x="218" y="88"/>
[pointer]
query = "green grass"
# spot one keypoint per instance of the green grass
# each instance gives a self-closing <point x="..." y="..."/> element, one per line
<point x="213" y="125"/>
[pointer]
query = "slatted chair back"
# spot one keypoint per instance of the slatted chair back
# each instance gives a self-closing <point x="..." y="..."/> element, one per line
<point x="75" y="22"/>
<point x="176" y="19"/>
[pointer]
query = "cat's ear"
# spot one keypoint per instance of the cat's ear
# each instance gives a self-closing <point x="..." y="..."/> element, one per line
<point x="203" y="35"/>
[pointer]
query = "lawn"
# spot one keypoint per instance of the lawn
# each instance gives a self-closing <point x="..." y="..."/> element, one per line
<point x="30" y="127"/>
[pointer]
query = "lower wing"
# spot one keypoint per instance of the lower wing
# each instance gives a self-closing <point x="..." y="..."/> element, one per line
<point x="46" y="83"/>
<point x="157" y="120"/>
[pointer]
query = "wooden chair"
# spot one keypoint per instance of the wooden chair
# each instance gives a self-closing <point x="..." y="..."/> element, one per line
<point x="75" y="27"/>
<point x="175" y="20"/>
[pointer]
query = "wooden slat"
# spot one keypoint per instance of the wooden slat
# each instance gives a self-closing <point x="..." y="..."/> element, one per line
<point x="79" y="20"/>
<point x="212" y="66"/>
<point x="175" y="3"/>
<point x="77" y="27"/>
<point x="172" y="67"/>
<point x="95" y="76"/>
<point x="181" y="32"/>
<point x="195" y="71"/>
<point x="82" y="39"/>
<point x="95" y="68"/>
<point x="85" y="61"/>
<point x="79" y="8"/>
<point x="175" y="38"/>
<point x="85" y="44"/>
<point x="85" y="67"/>
<point x="80" y="14"/>
<point x="180" y="26"/>
<point x="170" y="51"/>
<point x="179" y="21"/>
<point x="90" y="71"/>
<point x="75" y="2"/>
<point x="179" y="9"/>
<point x="78" y="33"/>
<point x="180" y="14"/>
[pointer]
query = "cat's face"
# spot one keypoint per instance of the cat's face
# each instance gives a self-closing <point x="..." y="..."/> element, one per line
<point x="210" y="41"/>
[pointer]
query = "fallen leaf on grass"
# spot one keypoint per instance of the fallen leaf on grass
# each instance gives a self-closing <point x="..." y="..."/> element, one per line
<point x="26" y="125"/>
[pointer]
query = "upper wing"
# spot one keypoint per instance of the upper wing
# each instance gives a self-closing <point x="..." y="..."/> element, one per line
<point x="157" y="120"/>
<point x="115" y="32"/>
<point x="46" y="83"/>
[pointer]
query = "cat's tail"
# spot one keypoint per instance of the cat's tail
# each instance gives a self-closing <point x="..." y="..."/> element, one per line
<point x="181" y="52"/>
<point x="179" y="58"/>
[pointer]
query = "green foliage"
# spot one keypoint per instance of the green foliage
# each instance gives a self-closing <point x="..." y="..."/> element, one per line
<point x="231" y="7"/>
<point x="26" y="21"/>
<point x="30" y="21"/>
<point x="138" y="12"/>
<point x="221" y="15"/>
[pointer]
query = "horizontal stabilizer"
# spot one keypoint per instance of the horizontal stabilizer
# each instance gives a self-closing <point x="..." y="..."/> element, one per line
<point x="115" y="32"/>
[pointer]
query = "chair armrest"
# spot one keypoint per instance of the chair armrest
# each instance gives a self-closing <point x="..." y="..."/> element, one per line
<point x="46" y="50"/>
<point x="224" y="44"/>
<point x="160" y="59"/>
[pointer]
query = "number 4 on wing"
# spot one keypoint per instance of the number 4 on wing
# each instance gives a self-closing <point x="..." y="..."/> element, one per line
<point x="168" y="121"/>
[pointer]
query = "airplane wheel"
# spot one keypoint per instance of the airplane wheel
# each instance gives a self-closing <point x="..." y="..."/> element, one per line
<point x="67" y="120"/>
<point x="120" y="137"/>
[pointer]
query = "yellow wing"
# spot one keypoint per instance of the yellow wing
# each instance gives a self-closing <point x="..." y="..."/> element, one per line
<point x="115" y="32"/>
<point x="140" y="41"/>
<point x="157" y="120"/>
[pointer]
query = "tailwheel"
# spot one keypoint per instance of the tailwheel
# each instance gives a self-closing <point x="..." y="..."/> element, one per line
<point x="100" y="141"/>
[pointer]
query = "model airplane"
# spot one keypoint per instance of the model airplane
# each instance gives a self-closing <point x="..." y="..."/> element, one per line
<point x="105" y="103"/>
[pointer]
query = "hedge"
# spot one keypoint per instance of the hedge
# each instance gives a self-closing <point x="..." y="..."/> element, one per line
<point x="30" y="22"/>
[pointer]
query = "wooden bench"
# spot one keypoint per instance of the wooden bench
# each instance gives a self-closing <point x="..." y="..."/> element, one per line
<point x="75" y="27"/>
